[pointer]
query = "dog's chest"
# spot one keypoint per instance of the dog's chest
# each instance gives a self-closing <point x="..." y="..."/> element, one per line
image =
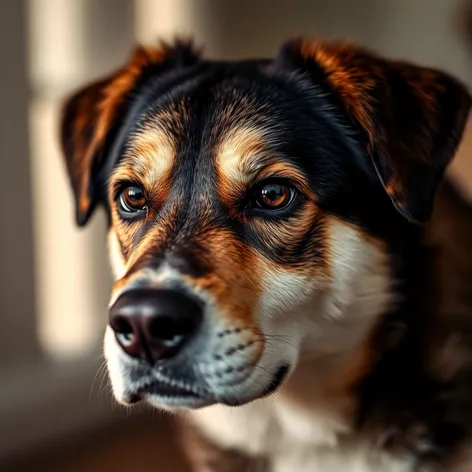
<point x="294" y="439"/>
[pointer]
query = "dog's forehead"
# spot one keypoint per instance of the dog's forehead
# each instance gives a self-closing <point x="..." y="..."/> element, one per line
<point x="226" y="118"/>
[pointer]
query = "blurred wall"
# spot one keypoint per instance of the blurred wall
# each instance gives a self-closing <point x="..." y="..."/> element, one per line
<point x="422" y="30"/>
<point x="17" y="295"/>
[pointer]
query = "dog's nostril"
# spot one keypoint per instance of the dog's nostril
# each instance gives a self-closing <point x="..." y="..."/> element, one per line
<point x="167" y="330"/>
<point x="123" y="329"/>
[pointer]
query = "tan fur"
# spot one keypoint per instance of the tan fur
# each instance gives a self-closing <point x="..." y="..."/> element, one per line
<point x="150" y="158"/>
<point x="239" y="156"/>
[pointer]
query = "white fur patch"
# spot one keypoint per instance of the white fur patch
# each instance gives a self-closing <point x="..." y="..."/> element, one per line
<point x="261" y="428"/>
<point x="116" y="372"/>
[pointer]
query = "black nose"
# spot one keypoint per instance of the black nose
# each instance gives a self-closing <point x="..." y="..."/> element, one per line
<point x="154" y="324"/>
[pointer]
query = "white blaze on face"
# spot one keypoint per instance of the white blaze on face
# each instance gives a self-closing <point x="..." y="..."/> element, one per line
<point x="360" y="271"/>
<point x="360" y="288"/>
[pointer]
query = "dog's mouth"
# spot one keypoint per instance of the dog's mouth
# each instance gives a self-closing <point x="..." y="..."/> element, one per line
<point x="186" y="395"/>
<point x="168" y="391"/>
<point x="277" y="380"/>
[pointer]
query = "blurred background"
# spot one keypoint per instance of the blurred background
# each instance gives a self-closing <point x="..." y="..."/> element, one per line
<point x="56" y="410"/>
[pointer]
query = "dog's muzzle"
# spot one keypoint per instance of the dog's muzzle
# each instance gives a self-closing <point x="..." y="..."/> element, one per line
<point x="167" y="347"/>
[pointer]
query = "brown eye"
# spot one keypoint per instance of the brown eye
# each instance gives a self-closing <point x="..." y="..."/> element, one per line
<point x="132" y="200"/>
<point x="274" y="196"/>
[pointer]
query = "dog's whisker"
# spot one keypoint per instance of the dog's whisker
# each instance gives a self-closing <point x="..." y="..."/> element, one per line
<point x="100" y="373"/>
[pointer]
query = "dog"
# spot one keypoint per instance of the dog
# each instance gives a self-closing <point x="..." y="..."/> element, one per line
<point x="292" y="267"/>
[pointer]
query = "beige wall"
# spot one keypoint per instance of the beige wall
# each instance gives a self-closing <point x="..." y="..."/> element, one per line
<point x="423" y="30"/>
<point x="17" y="322"/>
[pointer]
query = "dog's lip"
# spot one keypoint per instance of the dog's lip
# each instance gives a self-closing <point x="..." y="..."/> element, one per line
<point x="184" y="393"/>
<point x="164" y="389"/>
<point x="277" y="380"/>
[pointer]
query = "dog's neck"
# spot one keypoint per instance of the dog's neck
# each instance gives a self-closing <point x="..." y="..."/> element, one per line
<point x="318" y="402"/>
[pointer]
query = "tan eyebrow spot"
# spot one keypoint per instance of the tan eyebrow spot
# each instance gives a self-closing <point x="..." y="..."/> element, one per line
<point x="240" y="153"/>
<point x="152" y="153"/>
<point x="149" y="160"/>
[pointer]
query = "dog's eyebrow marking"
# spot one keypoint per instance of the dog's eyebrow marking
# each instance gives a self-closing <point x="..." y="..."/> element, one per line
<point x="241" y="152"/>
<point x="149" y="160"/>
<point x="151" y="155"/>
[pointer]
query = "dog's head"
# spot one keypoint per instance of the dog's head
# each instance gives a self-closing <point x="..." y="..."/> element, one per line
<point x="252" y="205"/>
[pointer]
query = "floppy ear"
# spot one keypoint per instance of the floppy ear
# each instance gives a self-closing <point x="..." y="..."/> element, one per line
<point x="93" y="116"/>
<point x="409" y="118"/>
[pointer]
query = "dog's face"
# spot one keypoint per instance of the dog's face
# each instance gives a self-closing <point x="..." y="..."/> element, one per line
<point x="252" y="207"/>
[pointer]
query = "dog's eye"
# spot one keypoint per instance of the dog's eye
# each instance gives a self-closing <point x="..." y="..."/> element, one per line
<point x="274" y="196"/>
<point x="132" y="200"/>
